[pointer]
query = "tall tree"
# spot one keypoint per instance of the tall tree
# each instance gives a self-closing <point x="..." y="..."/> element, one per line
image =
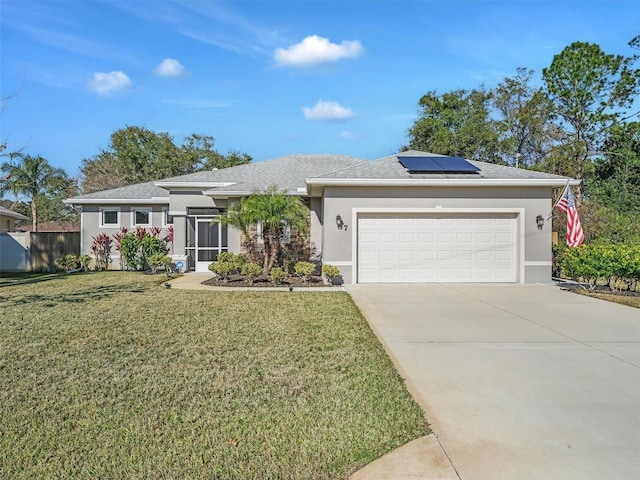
<point x="616" y="177"/>
<point x="100" y="173"/>
<point x="456" y="123"/>
<point x="273" y="209"/>
<point x="525" y="120"/>
<point x="33" y="176"/>
<point x="137" y="155"/>
<point x="590" y="91"/>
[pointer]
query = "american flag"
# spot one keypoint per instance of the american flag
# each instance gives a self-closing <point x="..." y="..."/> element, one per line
<point x="575" y="235"/>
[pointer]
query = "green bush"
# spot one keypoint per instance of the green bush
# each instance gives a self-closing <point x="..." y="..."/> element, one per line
<point x="252" y="271"/>
<point x="158" y="260"/>
<point x="85" y="261"/>
<point x="330" y="272"/>
<point x="305" y="270"/>
<point x="226" y="264"/>
<point x="277" y="275"/>
<point x="68" y="262"/>
<point x="138" y="247"/>
<point x="611" y="265"/>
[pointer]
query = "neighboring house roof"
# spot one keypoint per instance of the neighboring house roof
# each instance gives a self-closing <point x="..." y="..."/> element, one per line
<point x="52" y="227"/>
<point x="5" y="212"/>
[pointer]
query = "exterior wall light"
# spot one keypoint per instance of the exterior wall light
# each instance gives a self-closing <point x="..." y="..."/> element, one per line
<point x="339" y="222"/>
<point x="540" y="222"/>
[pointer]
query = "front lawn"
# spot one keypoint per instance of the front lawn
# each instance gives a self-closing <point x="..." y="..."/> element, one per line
<point x="110" y="375"/>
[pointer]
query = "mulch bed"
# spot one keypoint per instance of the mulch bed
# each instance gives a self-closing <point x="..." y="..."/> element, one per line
<point x="241" y="281"/>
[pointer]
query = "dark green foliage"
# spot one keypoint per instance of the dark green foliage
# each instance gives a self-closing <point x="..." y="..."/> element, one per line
<point x="44" y="185"/>
<point x="274" y="210"/>
<point x="136" y="247"/>
<point x="611" y="265"/>
<point x="137" y="155"/>
<point x="456" y="123"/>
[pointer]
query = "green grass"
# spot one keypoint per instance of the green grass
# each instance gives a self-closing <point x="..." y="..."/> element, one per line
<point x="109" y="375"/>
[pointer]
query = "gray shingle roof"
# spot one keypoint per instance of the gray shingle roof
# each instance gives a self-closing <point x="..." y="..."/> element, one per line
<point x="291" y="172"/>
<point x="10" y="213"/>
<point x="288" y="173"/>
<point x="130" y="192"/>
<point x="390" y="168"/>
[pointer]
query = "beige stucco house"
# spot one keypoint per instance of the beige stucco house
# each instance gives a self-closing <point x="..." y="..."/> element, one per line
<point x="410" y="217"/>
<point x="8" y="219"/>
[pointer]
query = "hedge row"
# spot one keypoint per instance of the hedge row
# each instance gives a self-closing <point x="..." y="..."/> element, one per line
<point x="616" y="266"/>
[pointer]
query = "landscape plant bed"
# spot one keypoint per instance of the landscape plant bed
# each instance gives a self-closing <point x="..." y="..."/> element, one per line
<point x="236" y="280"/>
<point x="111" y="375"/>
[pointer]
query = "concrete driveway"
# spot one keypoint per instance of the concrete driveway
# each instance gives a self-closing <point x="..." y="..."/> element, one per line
<point x="518" y="381"/>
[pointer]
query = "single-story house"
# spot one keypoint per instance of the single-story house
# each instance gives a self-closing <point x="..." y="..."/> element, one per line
<point x="8" y="219"/>
<point x="405" y="218"/>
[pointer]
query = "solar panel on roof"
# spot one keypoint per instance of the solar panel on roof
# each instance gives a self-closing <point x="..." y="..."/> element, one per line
<point x="437" y="165"/>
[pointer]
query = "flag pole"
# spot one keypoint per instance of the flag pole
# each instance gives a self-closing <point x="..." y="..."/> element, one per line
<point x="558" y="200"/>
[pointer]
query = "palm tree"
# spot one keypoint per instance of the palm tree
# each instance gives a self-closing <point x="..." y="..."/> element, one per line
<point x="273" y="209"/>
<point x="31" y="176"/>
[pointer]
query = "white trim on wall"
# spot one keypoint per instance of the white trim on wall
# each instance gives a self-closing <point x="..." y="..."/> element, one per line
<point x="101" y="224"/>
<point x="542" y="263"/>
<point x="141" y="209"/>
<point x="520" y="213"/>
<point x="165" y="212"/>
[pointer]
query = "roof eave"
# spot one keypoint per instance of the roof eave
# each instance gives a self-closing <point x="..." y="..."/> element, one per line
<point x="442" y="182"/>
<point x="117" y="201"/>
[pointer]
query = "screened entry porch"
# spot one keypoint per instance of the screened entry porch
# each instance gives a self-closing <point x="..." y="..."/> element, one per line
<point x="206" y="238"/>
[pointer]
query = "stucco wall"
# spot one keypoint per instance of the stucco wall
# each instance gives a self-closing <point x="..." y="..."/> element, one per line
<point x="7" y="224"/>
<point x="90" y="224"/>
<point x="338" y="243"/>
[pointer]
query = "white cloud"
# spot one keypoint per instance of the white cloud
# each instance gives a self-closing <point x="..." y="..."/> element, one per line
<point x="315" y="50"/>
<point x="347" y="135"/>
<point x="170" y="67"/>
<point x="107" y="83"/>
<point x="328" y="111"/>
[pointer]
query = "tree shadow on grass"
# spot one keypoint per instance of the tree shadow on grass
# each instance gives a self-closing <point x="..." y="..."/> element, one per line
<point x="99" y="292"/>
<point x="17" y="279"/>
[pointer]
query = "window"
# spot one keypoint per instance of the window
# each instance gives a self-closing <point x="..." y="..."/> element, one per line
<point x="167" y="218"/>
<point x="110" y="217"/>
<point x="141" y="217"/>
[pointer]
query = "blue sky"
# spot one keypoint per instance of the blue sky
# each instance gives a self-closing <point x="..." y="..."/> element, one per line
<point x="268" y="78"/>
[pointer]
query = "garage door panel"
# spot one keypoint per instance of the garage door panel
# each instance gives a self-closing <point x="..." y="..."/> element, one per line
<point x="437" y="248"/>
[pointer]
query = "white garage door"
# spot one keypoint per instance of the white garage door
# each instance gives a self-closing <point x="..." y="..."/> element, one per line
<point x="437" y="248"/>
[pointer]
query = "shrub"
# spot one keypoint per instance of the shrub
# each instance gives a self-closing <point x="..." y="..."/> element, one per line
<point x="305" y="270"/>
<point x="227" y="264"/>
<point x="277" y="275"/>
<point x="252" y="271"/>
<point x="68" y="262"/>
<point x="330" y="272"/>
<point x="158" y="260"/>
<point x="612" y="265"/>
<point x="130" y="250"/>
<point x="84" y="261"/>
<point x="101" y="248"/>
